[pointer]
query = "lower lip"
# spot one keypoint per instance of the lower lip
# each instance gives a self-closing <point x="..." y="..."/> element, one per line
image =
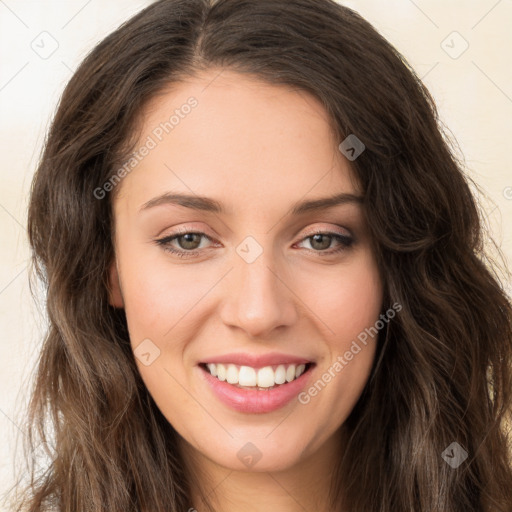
<point x="253" y="400"/>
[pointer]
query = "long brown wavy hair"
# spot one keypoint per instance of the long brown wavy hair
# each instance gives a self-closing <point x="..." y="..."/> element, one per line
<point x="443" y="368"/>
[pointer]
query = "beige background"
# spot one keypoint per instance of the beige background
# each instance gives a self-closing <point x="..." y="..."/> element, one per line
<point x="473" y="92"/>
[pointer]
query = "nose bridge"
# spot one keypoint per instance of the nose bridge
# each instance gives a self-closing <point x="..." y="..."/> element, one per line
<point x="257" y="300"/>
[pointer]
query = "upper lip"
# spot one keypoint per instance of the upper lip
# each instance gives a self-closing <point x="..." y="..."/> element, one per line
<point x="256" y="361"/>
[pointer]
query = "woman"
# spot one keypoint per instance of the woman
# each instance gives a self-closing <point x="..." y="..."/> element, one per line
<point x="266" y="281"/>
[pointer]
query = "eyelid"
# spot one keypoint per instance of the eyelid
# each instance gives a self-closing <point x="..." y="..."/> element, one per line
<point x="180" y="230"/>
<point x="318" y="231"/>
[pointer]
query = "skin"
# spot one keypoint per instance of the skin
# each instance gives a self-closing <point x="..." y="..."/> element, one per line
<point x="256" y="148"/>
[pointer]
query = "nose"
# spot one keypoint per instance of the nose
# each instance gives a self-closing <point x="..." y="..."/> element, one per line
<point x="258" y="298"/>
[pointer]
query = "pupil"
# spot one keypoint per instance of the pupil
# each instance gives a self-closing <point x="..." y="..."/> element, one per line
<point x="189" y="239"/>
<point x="318" y="238"/>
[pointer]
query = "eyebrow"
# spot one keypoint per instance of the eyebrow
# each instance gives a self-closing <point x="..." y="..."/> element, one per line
<point x="211" y="205"/>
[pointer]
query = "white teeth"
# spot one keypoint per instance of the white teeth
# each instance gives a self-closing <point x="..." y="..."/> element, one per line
<point x="232" y="374"/>
<point x="213" y="369"/>
<point x="300" y="370"/>
<point x="265" y="377"/>
<point x="280" y="374"/>
<point x="221" y="372"/>
<point x="247" y="376"/>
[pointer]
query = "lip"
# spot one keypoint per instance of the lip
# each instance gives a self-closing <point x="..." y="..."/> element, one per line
<point x="253" y="400"/>
<point x="256" y="361"/>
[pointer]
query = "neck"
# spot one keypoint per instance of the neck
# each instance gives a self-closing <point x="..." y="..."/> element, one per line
<point x="304" y="486"/>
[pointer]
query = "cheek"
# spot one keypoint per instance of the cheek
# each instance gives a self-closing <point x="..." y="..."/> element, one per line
<point x="346" y="301"/>
<point x="159" y="296"/>
<point x="349" y="306"/>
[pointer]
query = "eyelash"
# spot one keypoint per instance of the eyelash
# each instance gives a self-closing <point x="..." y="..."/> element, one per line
<point x="345" y="241"/>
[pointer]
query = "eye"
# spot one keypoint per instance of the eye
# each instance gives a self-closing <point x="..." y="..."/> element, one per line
<point x="322" y="240"/>
<point x="188" y="243"/>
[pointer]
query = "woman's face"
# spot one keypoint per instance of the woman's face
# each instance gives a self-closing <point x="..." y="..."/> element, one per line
<point x="255" y="287"/>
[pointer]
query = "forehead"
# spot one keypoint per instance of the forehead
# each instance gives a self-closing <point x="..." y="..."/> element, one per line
<point x="240" y="139"/>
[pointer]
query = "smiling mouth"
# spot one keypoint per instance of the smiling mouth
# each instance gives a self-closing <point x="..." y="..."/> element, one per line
<point x="264" y="378"/>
